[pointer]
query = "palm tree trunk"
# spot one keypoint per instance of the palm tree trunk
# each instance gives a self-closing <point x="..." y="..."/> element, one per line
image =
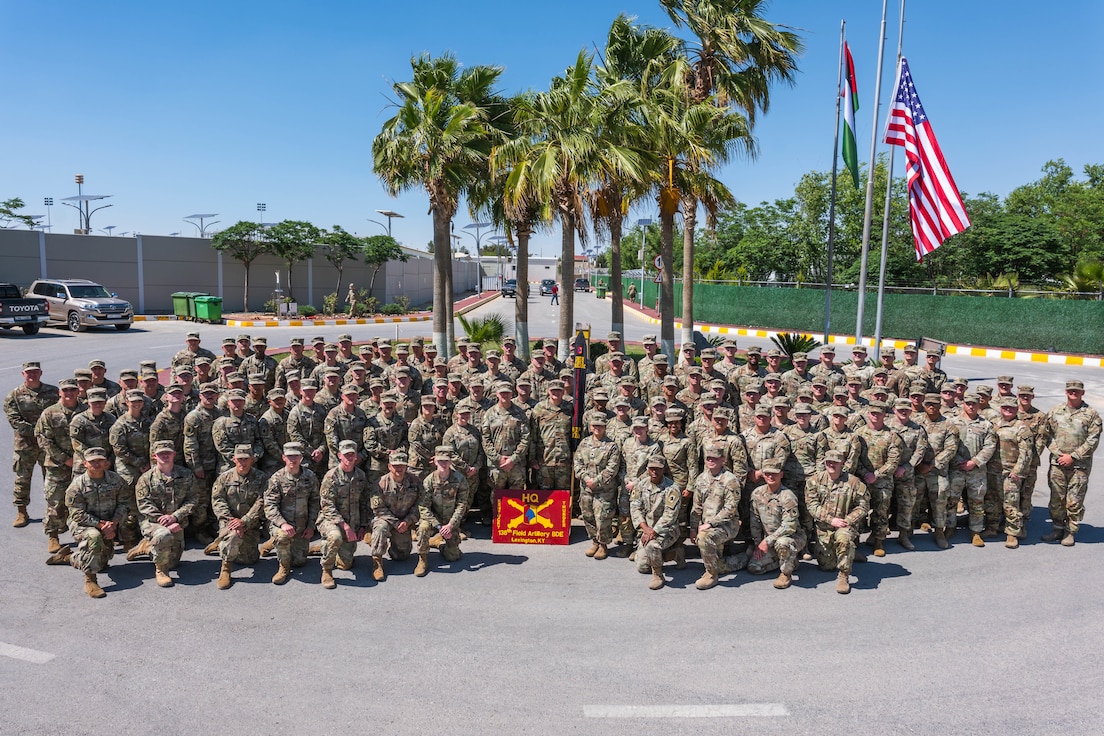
<point x="521" y="301"/>
<point x="450" y="299"/>
<point x="567" y="281"/>
<point x="689" y="222"/>
<point x="440" y="276"/>
<point x="667" y="285"/>
<point x="617" y="316"/>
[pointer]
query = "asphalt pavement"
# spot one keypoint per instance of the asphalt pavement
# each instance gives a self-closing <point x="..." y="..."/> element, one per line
<point x="544" y="640"/>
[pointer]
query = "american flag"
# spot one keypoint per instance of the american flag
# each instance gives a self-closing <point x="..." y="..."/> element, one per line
<point x="935" y="206"/>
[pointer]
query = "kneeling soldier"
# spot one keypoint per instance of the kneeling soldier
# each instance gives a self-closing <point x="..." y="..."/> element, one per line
<point x="238" y="501"/>
<point x="291" y="504"/>
<point x="166" y="495"/>
<point x="442" y="506"/>
<point x="713" y="519"/>
<point x="97" y="502"/>
<point x="776" y="534"/>
<point x="838" y="502"/>
<point x="345" y="514"/>
<point x="655" y="508"/>
<point x="394" y="513"/>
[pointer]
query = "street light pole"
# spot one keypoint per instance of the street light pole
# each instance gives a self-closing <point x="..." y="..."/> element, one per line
<point x="49" y="202"/>
<point x="388" y="214"/>
<point x="261" y="207"/>
<point x="478" y="227"/>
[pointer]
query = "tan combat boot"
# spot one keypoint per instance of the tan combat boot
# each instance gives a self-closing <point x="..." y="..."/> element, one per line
<point x="784" y="580"/>
<point x="224" y="580"/>
<point x="707" y="580"/>
<point x="990" y="532"/>
<point x="281" y="575"/>
<point x="377" y="569"/>
<point x="1054" y="535"/>
<point x="139" y="550"/>
<point x="904" y="539"/>
<point x="268" y="548"/>
<point x="436" y="541"/>
<point x="212" y="549"/>
<point x="941" y="539"/>
<point x="91" y="587"/>
<point x="602" y="552"/>
<point x="61" y="557"/>
<point x="328" y="581"/>
<point x="21" y="518"/>
<point x="657" y="578"/>
<point x="315" y="550"/>
<point x="423" y="566"/>
<point x="592" y="549"/>
<point x="162" y="577"/>
<point x="843" y="585"/>
<point x="53" y="546"/>
<point x="977" y="541"/>
<point x="1011" y="542"/>
<point x="1067" y="541"/>
<point x="680" y="556"/>
<point x="623" y="551"/>
<point x="342" y="565"/>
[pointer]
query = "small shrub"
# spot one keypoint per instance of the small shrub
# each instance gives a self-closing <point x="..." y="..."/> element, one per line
<point x="392" y="309"/>
<point x="404" y="302"/>
<point x="365" y="306"/>
<point x="269" y="306"/>
<point x="791" y="342"/>
<point x="329" y="304"/>
<point x="307" y="311"/>
<point x="598" y="349"/>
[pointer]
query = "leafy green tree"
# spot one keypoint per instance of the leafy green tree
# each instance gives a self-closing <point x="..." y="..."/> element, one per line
<point x="293" y="241"/>
<point x="338" y="246"/>
<point x="9" y="211"/>
<point x="378" y="250"/>
<point x="244" y="242"/>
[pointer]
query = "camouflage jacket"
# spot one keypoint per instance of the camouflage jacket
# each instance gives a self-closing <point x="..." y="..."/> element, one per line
<point x="87" y="431"/>
<point x="273" y="426"/>
<point x="306" y="425"/>
<point x="444" y="501"/>
<point x="505" y="432"/>
<point x="237" y="496"/>
<point x="381" y="437"/>
<point x="169" y="426"/>
<point x="396" y="501"/>
<point x="1015" y="447"/>
<point x="976" y="439"/>
<point x="199" y="443"/>
<point x="550" y="434"/>
<point x="423" y="438"/>
<point x="678" y="451"/>
<point x="807" y="448"/>
<point x="844" y="498"/>
<point x="764" y="446"/>
<point x="342" y="424"/>
<point x="23" y="406"/>
<point x="942" y="443"/>
<point x="292" y="499"/>
<point x="176" y="494"/>
<point x="914" y="442"/>
<point x="597" y="460"/>
<point x="1073" y="431"/>
<point x="880" y="451"/>
<point x="467" y="444"/>
<point x="91" y="501"/>
<point x="773" y="515"/>
<point x="346" y="497"/>
<point x="230" y="431"/>
<point x="52" y="433"/>
<point x="657" y="506"/>
<point x="715" y="500"/>
<point x="635" y="456"/>
<point x="130" y="442"/>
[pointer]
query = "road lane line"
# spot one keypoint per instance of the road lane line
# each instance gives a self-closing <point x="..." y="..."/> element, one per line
<point x="27" y="655"/>
<point x="734" y="710"/>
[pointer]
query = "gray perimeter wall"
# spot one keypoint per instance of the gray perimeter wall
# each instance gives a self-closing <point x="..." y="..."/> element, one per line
<point x="147" y="269"/>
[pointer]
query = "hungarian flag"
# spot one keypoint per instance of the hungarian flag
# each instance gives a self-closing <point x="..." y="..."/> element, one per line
<point x="850" y="105"/>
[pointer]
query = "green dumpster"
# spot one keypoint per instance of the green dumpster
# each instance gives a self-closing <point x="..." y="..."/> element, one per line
<point x="208" y="309"/>
<point x="180" y="304"/>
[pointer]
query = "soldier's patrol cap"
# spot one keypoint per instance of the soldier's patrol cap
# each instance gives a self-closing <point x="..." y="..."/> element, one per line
<point x="276" y="393"/>
<point x="760" y="411"/>
<point x="753" y="388"/>
<point x="148" y="375"/>
<point x="455" y="378"/>
<point x="674" y="415"/>
<point x="260" y="340"/>
<point x="350" y="388"/>
<point x="345" y="337"/>
<point x="838" y="411"/>
<point x="1007" y="402"/>
<point x="617" y="355"/>
<point x="556" y="385"/>
<point x="878" y="406"/>
<point x="430" y="347"/>
<point x="474" y="348"/>
<point x="970" y="398"/>
<point x="709" y="354"/>
<point x="502" y="386"/>
<point x="694" y="371"/>
<point x="444" y="452"/>
<point x="829" y="349"/>
<point x="135" y="395"/>
<point x="656" y="461"/>
<point x="233" y="376"/>
<point x="357" y="365"/>
<point x="389" y="397"/>
<point x="524" y="381"/>
<point x="235" y="394"/>
<point x="293" y="448"/>
<point x="228" y="341"/>
<point x="210" y="387"/>
<point x="440" y="361"/>
<point x="960" y="381"/>
<point x="95" y="453"/>
<point x="331" y="371"/>
<point x="96" y="363"/>
<point x="660" y="359"/>
<point x="508" y="341"/>
<point x="918" y="387"/>
<point x="494" y="355"/>
<point x="243" y="338"/>
<point x="658" y="401"/>
<point x="440" y="383"/>
<point x="640" y="423"/>
<point x="346" y="446"/>
<point x="708" y="400"/>
<point x="854" y="381"/>
<point x="932" y="399"/>
<point x="840" y="391"/>
<point x="833" y="456"/>
<point x="32" y="365"/>
<point x="876" y="390"/>
<point x="718" y="383"/>
<point x="428" y="400"/>
<point x="620" y="403"/>
<point x="937" y="351"/>
<point x="417" y="340"/>
<point x="649" y="340"/>
<point x="82" y="374"/>
<point x="296" y="341"/>
<point x="192" y="336"/>
<point x="478" y="383"/>
<point x="257" y="379"/>
<point x="781" y="401"/>
<point x="803" y="408"/>
<point x="598" y="419"/>
<point x="365" y="348"/>
<point x="1075" y="386"/>
<point x="689" y="346"/>
<point x="672" y="380"/>
<point x="1025" y="390"/>
<point x="805" y="392"/>
<point x="771" y="466"/>
<point x="754" y="350"/>
<point x="902" y="404"/>
<point x="402" y="349"/>
<point x="129" y="373"/>
<point x="774" y="353"/>
<point x="859" y="349"/>
<point x="243" y="451"/>
<point x="174" y="388"/>
<point x="613" y="335"/>
<point x="202" y="360"/>
<point x="889" y="351"/>
<point x="880" y="372"/>
<point x="330" y="347"/>
<point x="600" y="394"/>
<point x="97" y="394"/>
<point x="377" y="382"/>
<point x="799" y="356"/>
<point x="318" y="340"/>
<point x="1004" y="379"/>
<point x="308" y="384"/>
<point x="292" y="376"/>
<point x="724" y="413"/>
<point x="163" y="446"/>
<point x="714" y="449"/>
<point x="626" y="381"/>
<point x="772" y="377"/>
<point x="183" y="369"/>
<point x="397" y="457"/>
<point x="985" y="390"/>
<point x="818" y="381"/>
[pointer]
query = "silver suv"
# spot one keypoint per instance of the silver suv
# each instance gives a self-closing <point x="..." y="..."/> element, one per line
<point x="81" y="303"/>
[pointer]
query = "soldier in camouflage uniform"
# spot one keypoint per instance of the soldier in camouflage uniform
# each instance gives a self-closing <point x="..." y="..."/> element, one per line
<point x="776" y="535"/>
<point x="346" y="511"/>
<point x="441" y="507"/>
<point x="933" y="474"/>
<point x="550" y="440"/>
<point x="236" y="428"/>
<point x="506" y="441"/>
<point x="273" y="426"/>
<point x="1073" y="434"/>
<point x="1036" y="421"/>
<point x="384" y="433"/>
<point x="654" y="507"/>
<point x="306" y="425"/>
<point x="880" y="454"/>
<point x="838" y="502"/>
<point x="97" y="503"/>
<point x="395" y="513"/>
<point x="512" y="366"/>
<point x="256" y="403"/>
<point x="291" y="504"/>
<point x="841" y="438"/>
<point x="23" y="406"/>
<point x="91" y="428"/>
<point x="52" y="435"/>
<point x="188" y="355"/>
<point x="200" y="454"/>
<point x="237" y="500"/>
<point x="1015" y="449"/>
<point x="260" y="364"/>
<point x="117" y="404"/>
<point x="807" y="448"/>
<point x="130" y="444"/>
<point x="827" y="370"/>
<point x="636" y="451"/>
<point x="597" y="461"/>
<point x="914" y="448"/>
<point x="168" y="425"/>
<point x="423" y="437"/>
<point x="714" y="519"/>
<point x="296" y="362"/>
<point x="166" y="495"/>
<point x="798" y="376"/>
<point x="467" y="446"/>
<point x="346" y="422"/>
<point x="976" y="444"/>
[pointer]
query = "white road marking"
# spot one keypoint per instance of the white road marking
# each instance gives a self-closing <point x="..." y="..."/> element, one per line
<point x="742" y="710"/>
<point x="27" y="655"/>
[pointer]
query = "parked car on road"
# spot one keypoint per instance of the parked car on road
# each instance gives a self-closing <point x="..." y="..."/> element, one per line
<point x="582" y="285"/>
<point x="509" y="287"/>
<point x="80" y="304"/>
<point x="546" y="286"/>
<point x="29" y="314"/>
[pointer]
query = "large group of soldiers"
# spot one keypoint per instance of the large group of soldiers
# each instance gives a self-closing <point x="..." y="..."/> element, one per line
<point x="392" y="446"/>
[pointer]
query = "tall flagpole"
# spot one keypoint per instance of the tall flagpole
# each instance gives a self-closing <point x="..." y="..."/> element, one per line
<point x="832" y="202"/>
<point x="888" y="202"/>
<point x="870" y="183"/>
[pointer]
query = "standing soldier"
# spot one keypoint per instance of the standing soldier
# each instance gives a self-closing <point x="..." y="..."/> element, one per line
<point x="636" y="450"/>
<point x="166" y="495"/>
<point x="52" y="435"/>
<point x="200" y="453"/>
<point x="259" y="363"/>
<point x="273" y="426"/>
<point x="188" y="355"/>
<point x="933" y="474"/>
<point x="511" y="365"/>
<point x="236" y="428"/>
<point x="130" y="443"/>
<point x="976" y="444"/>
<point x="467" y="445"/>
<point x="91" y="428"/>
<point x="394" y="513"/>
<point x="306" y="426"/>
<point x="23" y="406"/>
<point x="655" y="514"/>
<point x="346" y="511"/>
<point x="597" y="461"/>
<point x="506" y="442"/>
<point x="714" y="519"/>
<point x="827" y="370"/>
<point x="237" y="499"/>
<point x="838" y="503"/>
<point x="914" y="448"/>
<point x="1015" y="449"/>
<point x="931" y="374"/>
<point x="441" y="507"/>
<point x="97" y="502"/>
<point x="1073" y="432"/>
<point x="296" y="361"/>
<point x="169" y="423"/>
<point x="346" y="421"/>
<point x="550" y="440"/>
<point x="423" y="437"/>
<point x="1036" y="421"/>
<point x="776" y="535"/>
<point x="798" y="376"/>
<point x="880" y="454"/>
<point x="384" y="433"/>
<point x="291" y="504"/>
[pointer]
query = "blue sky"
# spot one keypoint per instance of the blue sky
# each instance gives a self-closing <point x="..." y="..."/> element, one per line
<point x="181" y="108"/>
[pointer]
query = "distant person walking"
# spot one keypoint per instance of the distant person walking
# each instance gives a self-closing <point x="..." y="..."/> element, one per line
<point x="555" y="294"/>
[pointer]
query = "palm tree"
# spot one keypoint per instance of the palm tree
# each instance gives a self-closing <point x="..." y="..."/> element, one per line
<point x="735" y="58"/>
<point x="439" y="139"/>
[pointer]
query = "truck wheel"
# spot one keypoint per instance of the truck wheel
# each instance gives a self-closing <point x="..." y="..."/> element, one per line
<point x="122" y="328"/>
<point x="30" y="329"/>
<point x="74" y="322"/>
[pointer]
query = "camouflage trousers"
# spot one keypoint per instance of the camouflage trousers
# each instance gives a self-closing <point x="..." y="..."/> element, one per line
<point x="334" y="546"/>
<point x="23" y="466"/>
<point x="835" y="549"/>
<point x="1010" y="497"/>
<point x="93" y="552"/>
<point x="514" y="478"/>
<point x="624" y="516"/>
<point x="904" y="493"/>
<point x="975" y="482"/>
<point x="56" y="483"/>
<point x="596" y="506"/>
<point x="385" y="536"/>
<point x="553" y="477"/>
<point x="784" y="554"/>
<point x="129" y="531"/>
<point x="202" y="513"/>
<point x="1067" y="495"/>
<point x="935" y="488"/>
<point x="450" y="550"/>
<point x="291" y="551"/>
<point x="881" y="492"/>
<point x="1028" y="489"/>
<point x="993" y="503"/>
<point x="243" y="550"/>
<point x="166" y="546"/>
<point x="651" y="554"/>
<point x="711" y="545"/>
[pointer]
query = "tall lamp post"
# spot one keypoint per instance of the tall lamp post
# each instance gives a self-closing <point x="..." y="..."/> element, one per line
<point x="261" y="207"/>
<point x="49" y="202"/>
<point x="82" y="205"/>
<point x="478" y="227"/>
<point x="388" y="214"/>
<point x="643" y="224"/>
<point x="201" y="226"/>
<point x="498" y="241"/>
